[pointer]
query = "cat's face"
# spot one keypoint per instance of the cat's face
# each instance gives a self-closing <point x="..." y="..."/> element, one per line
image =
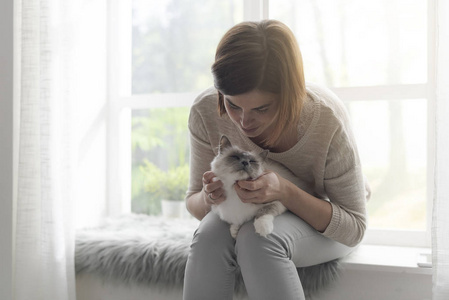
<point x="241" y="165"/>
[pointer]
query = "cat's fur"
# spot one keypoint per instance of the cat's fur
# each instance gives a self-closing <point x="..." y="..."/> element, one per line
<point x="233" y="164"/>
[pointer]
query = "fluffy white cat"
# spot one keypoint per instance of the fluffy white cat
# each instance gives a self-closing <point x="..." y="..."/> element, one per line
<point x="233" y="164"/>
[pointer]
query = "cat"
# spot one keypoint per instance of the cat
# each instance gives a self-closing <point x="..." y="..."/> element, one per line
<point x="233" y="164"/>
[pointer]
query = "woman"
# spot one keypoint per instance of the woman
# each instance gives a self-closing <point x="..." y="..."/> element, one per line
<point x="264" y="103"/>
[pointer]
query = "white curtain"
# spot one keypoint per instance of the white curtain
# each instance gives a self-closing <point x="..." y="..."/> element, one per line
<point x="56" y="82"/>
<point x="440" y="226"/>
<point x="44" y="247"/>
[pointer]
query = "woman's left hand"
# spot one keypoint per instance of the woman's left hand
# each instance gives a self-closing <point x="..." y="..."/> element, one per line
<point x="266" y="188"/>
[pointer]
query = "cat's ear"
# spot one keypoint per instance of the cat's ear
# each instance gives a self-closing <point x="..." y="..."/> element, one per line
<point x="224" y="143"/>
<point x="264" y="154"/>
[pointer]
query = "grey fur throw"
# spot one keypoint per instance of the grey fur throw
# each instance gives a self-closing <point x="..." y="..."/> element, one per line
<point x="153" y="251"/>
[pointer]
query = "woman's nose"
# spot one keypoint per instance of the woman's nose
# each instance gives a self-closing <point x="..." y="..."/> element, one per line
<point x="245" y="119"/>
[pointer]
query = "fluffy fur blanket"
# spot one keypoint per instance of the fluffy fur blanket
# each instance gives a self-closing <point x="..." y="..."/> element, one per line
<point x="153" y="251"/>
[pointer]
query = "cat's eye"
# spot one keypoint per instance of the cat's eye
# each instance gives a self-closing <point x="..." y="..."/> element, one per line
<point x="235" y="157"/>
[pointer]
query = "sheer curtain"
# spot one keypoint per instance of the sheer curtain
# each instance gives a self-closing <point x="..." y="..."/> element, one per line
<point x="59" y="87"/>
<point x="440" y="226"/>
<point x="44" y="236"/>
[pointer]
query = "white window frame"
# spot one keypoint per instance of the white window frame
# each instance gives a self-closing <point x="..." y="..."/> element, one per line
<point x="122" y="102"/>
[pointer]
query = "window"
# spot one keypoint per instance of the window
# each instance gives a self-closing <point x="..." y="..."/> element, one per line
<point x="374" y="55"/>
<point x="161" y="60"/>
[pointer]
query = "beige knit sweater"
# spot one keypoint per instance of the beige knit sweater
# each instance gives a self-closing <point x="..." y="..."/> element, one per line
<point x="325" y="159"/>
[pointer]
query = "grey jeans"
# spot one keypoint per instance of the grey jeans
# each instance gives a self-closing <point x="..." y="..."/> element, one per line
<point x="268" y="265"/>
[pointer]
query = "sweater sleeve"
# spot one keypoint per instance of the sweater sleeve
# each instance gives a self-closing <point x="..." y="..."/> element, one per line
<point x="201" y="151"/>
<point x="344" y="184"/>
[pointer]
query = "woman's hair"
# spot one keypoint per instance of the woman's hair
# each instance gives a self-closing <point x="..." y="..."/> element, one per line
<point x="262" y="56"/>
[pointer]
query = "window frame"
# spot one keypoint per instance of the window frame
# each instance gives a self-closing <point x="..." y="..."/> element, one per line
<point x="122" y="102"/>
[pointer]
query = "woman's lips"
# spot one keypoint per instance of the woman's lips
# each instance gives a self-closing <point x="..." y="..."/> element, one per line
<point x="249" y="130"/>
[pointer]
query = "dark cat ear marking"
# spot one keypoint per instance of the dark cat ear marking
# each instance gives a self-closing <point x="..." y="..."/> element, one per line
<point x="263" y="155"/>
<point x="224" y="143"/>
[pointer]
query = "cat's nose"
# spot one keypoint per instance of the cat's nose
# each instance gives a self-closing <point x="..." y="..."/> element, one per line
<point x="245" y="163"/>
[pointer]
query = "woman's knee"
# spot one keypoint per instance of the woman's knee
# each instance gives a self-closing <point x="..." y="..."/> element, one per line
<point x="250" y="245"/>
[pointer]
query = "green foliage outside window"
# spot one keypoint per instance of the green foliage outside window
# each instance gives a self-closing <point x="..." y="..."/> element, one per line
<point x="165" y="185"/>
<point x="160" y="155"/>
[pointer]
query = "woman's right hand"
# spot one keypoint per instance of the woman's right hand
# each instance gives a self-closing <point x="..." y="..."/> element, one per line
<point x="212" y="189"/>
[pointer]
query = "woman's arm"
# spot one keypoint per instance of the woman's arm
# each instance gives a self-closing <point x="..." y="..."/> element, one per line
<point x="196" y="205"/>
<point x="343" y="219"/>
<point x="316" y="212"/>
<point x="201" y="154"/>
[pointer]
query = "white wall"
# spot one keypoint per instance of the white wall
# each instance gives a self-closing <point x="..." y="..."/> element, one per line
<point x="380" y="285"/>
<point x="90" y="109"/>
<point x="6" y="146"/>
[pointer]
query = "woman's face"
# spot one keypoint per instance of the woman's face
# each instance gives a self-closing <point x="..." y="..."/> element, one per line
<point x="254" y="113"/>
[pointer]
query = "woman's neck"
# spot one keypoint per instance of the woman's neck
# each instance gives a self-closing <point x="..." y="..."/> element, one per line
<point x="285" y="143"/>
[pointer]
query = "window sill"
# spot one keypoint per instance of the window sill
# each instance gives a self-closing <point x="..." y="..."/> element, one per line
<point x="390" y="259"/>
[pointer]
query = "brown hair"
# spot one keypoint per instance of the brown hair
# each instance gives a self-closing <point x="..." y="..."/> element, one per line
<point x="262" y="56"/>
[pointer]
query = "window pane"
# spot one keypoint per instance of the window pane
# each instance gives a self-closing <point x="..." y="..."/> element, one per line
<point x="174" y="42"/>
<point x="160" y="157"/>
<point x="392" y="141"/>
<point x="359" y="43"/>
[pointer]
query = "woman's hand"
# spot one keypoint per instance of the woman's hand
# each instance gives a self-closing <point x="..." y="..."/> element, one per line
<point x="266" y="188"/>
<point x="271" y="187"/>
<point x="213" y="189"/>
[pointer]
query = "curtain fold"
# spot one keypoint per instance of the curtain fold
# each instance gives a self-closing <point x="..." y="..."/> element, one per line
<point x="44" y="235"/>
<point x="62" y="77"/>
<point x="440" y="220"/>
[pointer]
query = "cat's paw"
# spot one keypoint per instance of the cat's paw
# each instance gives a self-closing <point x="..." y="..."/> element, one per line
<point x="264" y="225"/>
<point x="234" y="229"/>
